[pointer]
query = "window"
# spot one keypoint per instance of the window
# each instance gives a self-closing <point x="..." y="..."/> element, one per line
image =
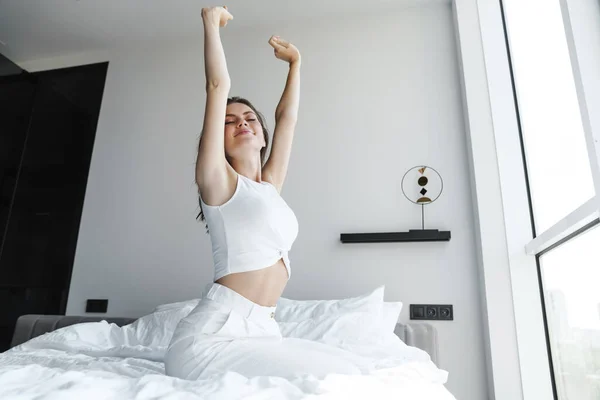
<point x="561" y="162"/>
<point x="558" y="166"/>
<point x="571" y="279"/>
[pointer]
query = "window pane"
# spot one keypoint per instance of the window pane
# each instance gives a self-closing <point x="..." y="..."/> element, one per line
<point x="555" y="147"/>
<point x="571" y="281"/>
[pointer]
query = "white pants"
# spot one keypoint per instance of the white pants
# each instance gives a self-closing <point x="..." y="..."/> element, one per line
<point x="227" y="332"/>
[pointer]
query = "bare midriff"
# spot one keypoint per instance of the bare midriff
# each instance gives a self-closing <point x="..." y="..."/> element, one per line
<point x="263" y="286"/>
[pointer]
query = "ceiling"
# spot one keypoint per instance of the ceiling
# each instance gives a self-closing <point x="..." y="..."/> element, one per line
<point x="32" y="29"/>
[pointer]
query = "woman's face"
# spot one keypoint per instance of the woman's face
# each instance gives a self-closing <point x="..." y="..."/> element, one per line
<point x="243" y="131"/>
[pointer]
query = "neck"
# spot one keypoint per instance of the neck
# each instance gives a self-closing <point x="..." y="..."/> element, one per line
<point x="249" y="167"/>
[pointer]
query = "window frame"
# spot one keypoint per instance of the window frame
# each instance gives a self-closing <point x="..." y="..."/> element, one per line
<point x="519" y="363"/>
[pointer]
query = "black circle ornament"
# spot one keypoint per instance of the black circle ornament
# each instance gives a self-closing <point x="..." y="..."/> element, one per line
<point x="422" y="185"/>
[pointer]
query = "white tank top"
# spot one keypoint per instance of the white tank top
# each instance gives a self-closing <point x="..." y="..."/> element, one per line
<point x="252" y="230"/>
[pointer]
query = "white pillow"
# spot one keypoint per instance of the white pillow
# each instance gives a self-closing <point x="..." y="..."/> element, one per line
<point x="349" y="314"/>
<point x="385" y="335"/>
<point x="180" y="304"/>
<point x="332" y="321"/>
<point x="390" y="313"/>
<point x="300" y="310"/>
<point x="156" y="328"/>
<point x="363" y="318"/>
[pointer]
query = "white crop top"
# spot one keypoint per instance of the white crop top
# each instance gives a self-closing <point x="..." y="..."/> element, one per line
<point x="252" y="230"/>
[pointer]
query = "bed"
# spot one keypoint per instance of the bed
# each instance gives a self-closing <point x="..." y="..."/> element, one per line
<point x="423" y="336"/>
<point x="94" y="357"/>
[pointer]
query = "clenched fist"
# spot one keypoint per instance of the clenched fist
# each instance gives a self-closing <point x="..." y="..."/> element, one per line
<point x="216" y="16"/>
<point x="284" y="50"/>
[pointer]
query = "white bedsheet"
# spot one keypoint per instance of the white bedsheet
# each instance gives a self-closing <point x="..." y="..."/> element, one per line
<point x="103" y="361"/>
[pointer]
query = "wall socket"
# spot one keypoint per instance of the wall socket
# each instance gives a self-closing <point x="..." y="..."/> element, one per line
<point x="96" y="306"/>
<point x="444" y="312"/>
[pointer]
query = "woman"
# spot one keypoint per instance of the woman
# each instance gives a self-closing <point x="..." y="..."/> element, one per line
<point x="251" y="229"/>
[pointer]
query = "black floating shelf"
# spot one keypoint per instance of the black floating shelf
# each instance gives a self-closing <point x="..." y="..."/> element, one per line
<point x="413" y="235"/>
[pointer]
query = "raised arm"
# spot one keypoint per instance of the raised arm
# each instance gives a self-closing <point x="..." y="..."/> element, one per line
<point x="212" y="175"/>
<point x="286" y="114"/>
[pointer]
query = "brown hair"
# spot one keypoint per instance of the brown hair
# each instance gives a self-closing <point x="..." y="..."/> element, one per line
<point x="263" y="151"/>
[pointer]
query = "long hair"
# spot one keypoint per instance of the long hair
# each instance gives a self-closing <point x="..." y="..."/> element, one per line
<point x="263" y="151"/>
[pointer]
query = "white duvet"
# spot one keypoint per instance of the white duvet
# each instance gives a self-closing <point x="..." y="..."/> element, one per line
<point x="103" y="361"/>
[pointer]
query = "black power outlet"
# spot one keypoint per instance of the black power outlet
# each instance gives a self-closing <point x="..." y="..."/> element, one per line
<point x="443" y="312"/>
<point x="96" y="306"/>
<point x="446" y="312"/>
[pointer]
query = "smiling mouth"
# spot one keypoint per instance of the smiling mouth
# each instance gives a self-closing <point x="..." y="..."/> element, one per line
<point x="244" y="133"/>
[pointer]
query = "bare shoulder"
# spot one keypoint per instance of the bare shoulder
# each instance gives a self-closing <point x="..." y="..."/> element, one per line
<point x="216" y="190"/>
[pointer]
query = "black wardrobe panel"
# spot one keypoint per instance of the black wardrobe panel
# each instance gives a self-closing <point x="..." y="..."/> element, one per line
<point x="46" y="196"/>
<point x="16" y="102"/>
<point x="47" y="127"/>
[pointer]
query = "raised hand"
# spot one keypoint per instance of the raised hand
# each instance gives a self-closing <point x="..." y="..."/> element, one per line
<point x="284" y="50"/>
<point x="216" y="16"/>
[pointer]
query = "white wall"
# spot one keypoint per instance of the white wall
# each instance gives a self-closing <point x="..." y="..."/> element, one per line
<point x="380" y="94"/>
